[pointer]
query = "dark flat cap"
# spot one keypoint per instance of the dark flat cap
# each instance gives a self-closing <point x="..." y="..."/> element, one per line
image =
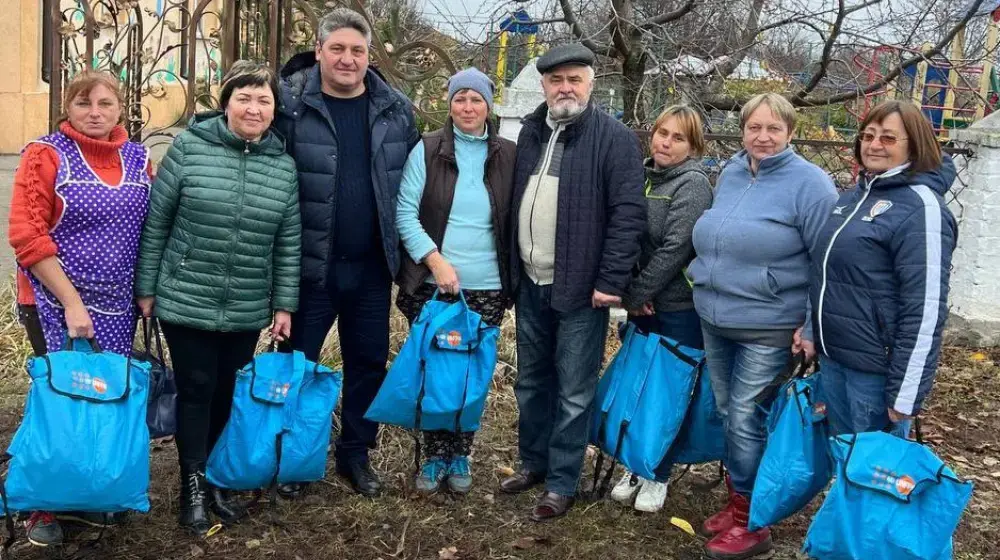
<point x="573" y="53"/>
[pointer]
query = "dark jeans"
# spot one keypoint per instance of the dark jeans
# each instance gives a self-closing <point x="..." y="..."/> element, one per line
<point x="558" y="360"/>
<point x="683" y="327"/>
<point x="359" y="295"/>
<point x="28" y="317"/>
<point x="205" y="365"/>
<point x="855" y="401"/>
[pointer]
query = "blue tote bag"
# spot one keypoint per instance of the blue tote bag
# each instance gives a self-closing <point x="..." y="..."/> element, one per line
<point x="893" y="499"/>
<point x="280" y="425"/>
<point x="702" y="438"/>
<point x="642" y="401"/>
<point x="796" y="465"/>
<point x="442" y="375"/>
<point x="83" y="444"/>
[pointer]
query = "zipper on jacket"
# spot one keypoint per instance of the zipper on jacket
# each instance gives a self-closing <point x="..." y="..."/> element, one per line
<point x="883" y="330"/>
<point x="711" y="272"/>
<point x="236" y="238"/>
<point x="826" y="260"/>
<point x="543" y="170"/>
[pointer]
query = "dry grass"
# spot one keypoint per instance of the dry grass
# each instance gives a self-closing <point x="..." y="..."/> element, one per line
<point x="331" y="522"/>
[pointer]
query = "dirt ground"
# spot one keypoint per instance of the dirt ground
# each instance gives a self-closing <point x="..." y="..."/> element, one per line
<point x="330" y="522"/>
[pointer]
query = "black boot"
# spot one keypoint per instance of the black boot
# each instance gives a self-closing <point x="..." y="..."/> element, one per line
<point x="193" y="515"/>
<point x="225" y="506"/>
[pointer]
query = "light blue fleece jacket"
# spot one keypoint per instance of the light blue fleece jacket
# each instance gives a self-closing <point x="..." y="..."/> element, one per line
<point x="469" y="243"/>
<point x="752" y="246"/>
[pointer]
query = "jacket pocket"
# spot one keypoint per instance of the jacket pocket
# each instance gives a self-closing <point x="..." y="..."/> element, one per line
<point x="883" y="330"/>
<point x="767" y="283"/>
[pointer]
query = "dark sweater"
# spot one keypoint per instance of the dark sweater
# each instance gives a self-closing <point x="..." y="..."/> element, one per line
<point x="675" y="198"/>
<point x="354" y="208"/>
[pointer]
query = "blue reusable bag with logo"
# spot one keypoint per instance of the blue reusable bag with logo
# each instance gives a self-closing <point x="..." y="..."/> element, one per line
<point x="442" y="375"/>
<point x="280" y="425"/>
<point x="83" y="444"/>
<point x="796" y="465"/>
<point x="642" y="401"/>
<point x="893" y="499"/>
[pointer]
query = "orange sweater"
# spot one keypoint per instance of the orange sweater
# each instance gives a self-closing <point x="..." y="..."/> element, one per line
<point x="34" y="206"/>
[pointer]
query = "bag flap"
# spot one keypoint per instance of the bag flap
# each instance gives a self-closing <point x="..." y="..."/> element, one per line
<point x="271" y="375"/>
<point x="96" y="377"/>
<point x="893" y="466"/>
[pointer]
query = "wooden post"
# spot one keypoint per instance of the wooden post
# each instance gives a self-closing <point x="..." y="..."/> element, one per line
<point x="501" y="68"/>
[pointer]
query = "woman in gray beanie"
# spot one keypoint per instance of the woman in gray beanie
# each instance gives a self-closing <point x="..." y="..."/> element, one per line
<point x="452" y="217"/>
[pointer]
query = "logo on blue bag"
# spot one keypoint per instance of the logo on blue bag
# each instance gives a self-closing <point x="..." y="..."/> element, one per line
<point x="888" y="480"/>
<point x="277" y="390"/>
<point x="819" y="409"/>
<point x="82" y="381"/>
<point x="452" y="338"/>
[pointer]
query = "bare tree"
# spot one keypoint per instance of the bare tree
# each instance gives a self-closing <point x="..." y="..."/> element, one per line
<point x="823" y="37"/>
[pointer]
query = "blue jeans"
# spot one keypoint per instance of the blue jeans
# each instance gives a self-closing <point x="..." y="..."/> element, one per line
<point x="558" y="361"/>
<point x="682" y="326"/>
<point x="740" y="372"/>
<point x="855" y="401"/>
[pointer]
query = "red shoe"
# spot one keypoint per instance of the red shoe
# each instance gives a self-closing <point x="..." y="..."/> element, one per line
<point x="738" y="542"/>
<point x="722" y="521"/>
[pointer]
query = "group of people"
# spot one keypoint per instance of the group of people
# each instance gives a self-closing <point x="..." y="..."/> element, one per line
<point x="309" y="194"/>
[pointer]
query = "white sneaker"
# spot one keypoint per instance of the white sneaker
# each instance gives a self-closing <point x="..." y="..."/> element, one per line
<point x="651" y="496"/>
<point x="626" y="489"/>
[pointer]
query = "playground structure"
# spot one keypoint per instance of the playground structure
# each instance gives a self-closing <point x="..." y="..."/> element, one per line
<point x="952" y="91"/>
<point x="514" y="46"/>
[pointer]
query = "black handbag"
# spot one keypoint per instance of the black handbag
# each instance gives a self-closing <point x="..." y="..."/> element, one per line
<point x="161" y="411"/>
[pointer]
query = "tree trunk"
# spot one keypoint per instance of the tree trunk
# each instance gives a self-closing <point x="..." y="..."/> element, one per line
<point x="633" y="74"/>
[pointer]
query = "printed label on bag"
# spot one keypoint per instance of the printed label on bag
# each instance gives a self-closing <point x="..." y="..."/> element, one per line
<point x="819" y="409"/>
<point x="905" y="485"/>
<point x="99" y="385"/>
<point x="452" y="338"/>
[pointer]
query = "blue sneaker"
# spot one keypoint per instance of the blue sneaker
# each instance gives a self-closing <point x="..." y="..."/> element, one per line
<point x="432" y="474"/>
<point x="460" y="475"/>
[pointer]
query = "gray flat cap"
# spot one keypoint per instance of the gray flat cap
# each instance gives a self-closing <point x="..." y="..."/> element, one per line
<point x="573" y="53"/>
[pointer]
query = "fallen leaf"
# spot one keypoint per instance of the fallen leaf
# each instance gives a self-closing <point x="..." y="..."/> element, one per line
<point x="979" y="357"/>
<point x="197" y="551"/>
<point x="489" y="499"/>
<point x="995" y="474"/>
<point x="991" y="462"/>
<point x="253" y="543"/>
<point x="505" y="470"/>
<point x="450" y="553"/>
<point x="960" y="459"/>
<point x="682" y="525"/>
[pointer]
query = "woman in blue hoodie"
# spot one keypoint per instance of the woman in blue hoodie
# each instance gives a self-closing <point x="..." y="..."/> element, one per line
<point x="452" y="216"/>
<point x="751" y="282"/>
<point x="880" y="275"/>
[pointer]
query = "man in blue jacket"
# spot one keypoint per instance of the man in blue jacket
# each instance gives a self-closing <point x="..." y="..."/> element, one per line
<point x="578" y="215"/>
<point x="349" y="133"/>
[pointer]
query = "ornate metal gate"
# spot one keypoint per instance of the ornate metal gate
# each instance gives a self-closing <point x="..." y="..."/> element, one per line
<point x="172" y="54"/>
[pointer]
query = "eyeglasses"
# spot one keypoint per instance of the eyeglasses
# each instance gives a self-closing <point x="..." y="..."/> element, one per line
<point x="884" y="139"/>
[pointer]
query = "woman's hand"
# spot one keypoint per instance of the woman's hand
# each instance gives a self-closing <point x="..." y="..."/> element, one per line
<point x="78" y="322"/>
<point x="281" y="327"/>
<point x="801" y="344"/>
<point x="644" y="311"/>
<point x="896" y="417"/>
<point x="146" y="305"/>
<point x="444" y="274"/>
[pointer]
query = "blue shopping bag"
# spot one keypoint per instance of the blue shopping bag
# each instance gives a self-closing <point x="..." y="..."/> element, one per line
<point x="442" y="375"/>
<point x="893" y="499"/>
<point x="796" y="465"/>
<point x="702" y="438"/>
<point x="83" y="444"/>
<point x="642" y="401"/>
<point x="279" y="428"/>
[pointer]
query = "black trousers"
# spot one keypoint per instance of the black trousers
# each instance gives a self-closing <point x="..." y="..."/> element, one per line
<point x="205" y="365"/>
<point x="358" y="297"/>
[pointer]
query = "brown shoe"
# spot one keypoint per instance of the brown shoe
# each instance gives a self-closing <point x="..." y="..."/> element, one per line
<point x="551" y="506"/>
<point x="521" y="481"/>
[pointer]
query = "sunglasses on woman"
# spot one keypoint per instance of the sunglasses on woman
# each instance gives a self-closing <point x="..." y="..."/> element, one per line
<point x="884" y="139"/>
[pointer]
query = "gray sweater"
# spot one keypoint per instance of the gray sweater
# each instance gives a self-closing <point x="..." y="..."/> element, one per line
<point x="675" y="198"/>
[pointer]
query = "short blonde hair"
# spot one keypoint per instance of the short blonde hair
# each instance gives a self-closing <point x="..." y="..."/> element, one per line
<point x="780" y="107"/>
<point x="690" y="123"/>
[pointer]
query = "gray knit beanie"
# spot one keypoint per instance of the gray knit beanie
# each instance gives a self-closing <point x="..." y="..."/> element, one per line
<point x="472" y="78"/>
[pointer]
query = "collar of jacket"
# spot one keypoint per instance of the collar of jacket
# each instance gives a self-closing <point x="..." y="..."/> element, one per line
<point x="211" y="126"/>
<point x="657" y="176"/>
<point x="939" y="180"/>
<point x="380" y="95"/>
<point x="446" y="149"/>
<point x="536" y="120"/>
<point x="768" y="164"/>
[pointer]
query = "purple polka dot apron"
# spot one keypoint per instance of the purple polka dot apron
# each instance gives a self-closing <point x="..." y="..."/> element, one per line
<point x="97" y="237"/>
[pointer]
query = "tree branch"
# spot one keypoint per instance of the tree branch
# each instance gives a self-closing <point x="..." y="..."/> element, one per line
<point x="574" y="25"/>
<point x="827" y="52"/>
<point x="669" y="16"/>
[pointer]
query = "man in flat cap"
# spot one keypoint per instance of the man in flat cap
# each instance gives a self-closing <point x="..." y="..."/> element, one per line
<point x="578" y="214"/>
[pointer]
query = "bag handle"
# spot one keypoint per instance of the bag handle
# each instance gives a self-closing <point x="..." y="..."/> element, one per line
<point x="795" y="368"/>
<point x="72" y="344"/>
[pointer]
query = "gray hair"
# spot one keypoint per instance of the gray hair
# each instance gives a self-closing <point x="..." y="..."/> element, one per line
<point x="343" y="18"/>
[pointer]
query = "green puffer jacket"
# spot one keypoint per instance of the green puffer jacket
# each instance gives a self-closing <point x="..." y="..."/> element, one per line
<point x="222" y="242"/>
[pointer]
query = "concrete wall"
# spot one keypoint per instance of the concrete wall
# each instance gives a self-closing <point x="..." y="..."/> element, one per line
<point x="23" y="95"/>
<point x="975" y="280"/>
